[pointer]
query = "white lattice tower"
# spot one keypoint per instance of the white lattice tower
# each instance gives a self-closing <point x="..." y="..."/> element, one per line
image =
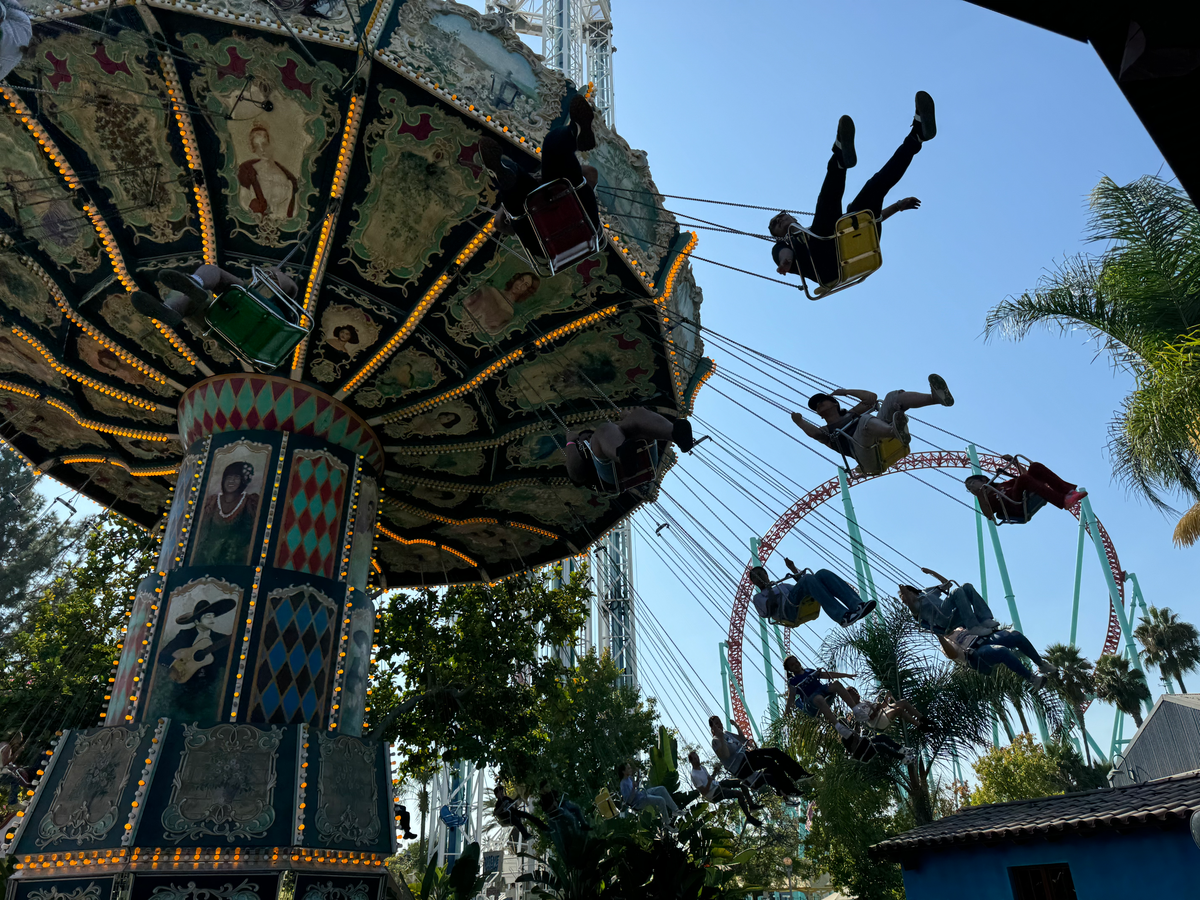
<point x="576" y="39"/>
<point x="616" y="625"/>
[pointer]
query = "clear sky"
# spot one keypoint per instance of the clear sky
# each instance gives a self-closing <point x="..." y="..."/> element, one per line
<point x="740" y="102"/>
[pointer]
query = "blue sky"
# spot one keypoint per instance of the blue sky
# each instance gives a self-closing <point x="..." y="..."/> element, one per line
<point x="740" y="102"/>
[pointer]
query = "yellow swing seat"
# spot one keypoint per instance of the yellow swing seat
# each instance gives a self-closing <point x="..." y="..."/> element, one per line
<point x="856" y="238"/>
<point x="808" y="610"/>
<point x="605" y="804"/>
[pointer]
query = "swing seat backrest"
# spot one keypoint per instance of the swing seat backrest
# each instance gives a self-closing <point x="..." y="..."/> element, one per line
<point x="1030" y="504"/>
<point x="561" y="225"/>
<point x="857" y="239"/>
<point x="888" y="452"/>
<point x="259" y="322"/>
<point x="638" y="468"/>
<point x="809" y="609"/>
<point x="605" y="804"/>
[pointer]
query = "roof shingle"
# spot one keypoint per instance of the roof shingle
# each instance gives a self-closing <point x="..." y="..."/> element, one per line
<point x="1137" y="805"/>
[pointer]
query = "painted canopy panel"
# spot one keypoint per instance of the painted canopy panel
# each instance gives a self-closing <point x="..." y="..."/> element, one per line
<point x="341" y="139"/>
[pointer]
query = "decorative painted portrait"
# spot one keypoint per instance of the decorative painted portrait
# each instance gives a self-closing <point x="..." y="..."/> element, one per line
<point x="358" y="668"/>
<point x="408" y="372"/>
<point x="420" y="186"/>
<point x="43" y="205"/>
<point x="502" y="300"/>
<point x="172" y="543"/>
<point x="228" y="519"/>
<point x="479" y="57"/>
<point x="609" y="362"/>
<point x="630" y="198"/>
<point x="549" y="504"/>
<point x="108" y="99"/>
<point x="536" y="451"/>
<point x="451" y="418"/>
<point x="493" y="543"/>
<point x="143" y="449"/>
<point x="147" y="493"/>
<point x="444" y="497"/>
<point x="364" y="534"/>
<point x="23" y="290"/>
<point x="429" y="561"/>
<point x="191" y="666"/>
<point x="346" y="331"/>
<point x="271" y="144"/>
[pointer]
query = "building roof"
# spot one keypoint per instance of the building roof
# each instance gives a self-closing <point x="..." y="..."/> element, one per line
<point x="1164" y="801"/>
<point x="1167" y="743"/>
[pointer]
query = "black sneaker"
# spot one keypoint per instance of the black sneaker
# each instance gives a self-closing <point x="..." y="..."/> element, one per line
<point x="149" y="305"/>
<point x="924" y="123"/>
<point x="582" y="116"/>
<point x="860" y="612"/>
<point x="681" y="434"/>
<point x="843" y="147"/>
<point x="493" y="160"/>
<point x="186" y="285"/>
<point x="900" y="425"/>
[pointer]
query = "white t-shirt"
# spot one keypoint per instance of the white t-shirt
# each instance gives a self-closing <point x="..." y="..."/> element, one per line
<point x="700" y="780"/>
<point x="862" y="712"/>
<point x="769" y="601"/>
<point x="16" y="31"/>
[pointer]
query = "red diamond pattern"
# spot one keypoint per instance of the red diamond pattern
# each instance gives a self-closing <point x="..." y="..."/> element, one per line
<point x="310" y="528"/>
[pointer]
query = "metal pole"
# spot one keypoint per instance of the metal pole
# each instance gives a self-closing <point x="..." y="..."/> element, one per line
<point x="999" y="551"/>
<point x="1078" y="580"/>
<point x="768" y="670"/>
<point x="1138" y="599"/>
<point x="982" y="551"/>
<point x="1085" y="507"/>
<point x="726" y="677"/>
<point x="1118" y="723"/>
<point x="866" y="581"/>
<point x="730" y="680"/>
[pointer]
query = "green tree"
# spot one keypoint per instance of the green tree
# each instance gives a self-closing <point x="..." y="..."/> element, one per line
<point x="1020" y="771"/>
<point x="464" y="671"/>
<point x="32" y="538"/>
<point x="1073" y="683"/>
<point x="54" y="670"/>
<point x="588" y="722"/>
<point x="1140" y="300"/>
<point x="1169" y="643"/>
<point x="1118" y="683"/>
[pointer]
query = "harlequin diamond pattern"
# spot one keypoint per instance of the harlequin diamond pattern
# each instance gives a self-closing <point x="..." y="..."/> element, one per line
<point x="292" y="676"/>
<point x="249" y="402"/>
<point x="310" y="526"/>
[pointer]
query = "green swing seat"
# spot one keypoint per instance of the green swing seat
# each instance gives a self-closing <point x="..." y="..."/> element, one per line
<point x="259" y="322"/>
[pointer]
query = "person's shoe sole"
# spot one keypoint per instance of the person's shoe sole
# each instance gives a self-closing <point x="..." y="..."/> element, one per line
<point x="583" y="115"/>
<point x="925" y="121"/>
<point x="844" y="145"/>
<point x="941" y="393"/>
<point x="149" y="305"/>
<point x="900" y="423"/>
<point x="185" y="284"/>
<point x="681" y="434"/>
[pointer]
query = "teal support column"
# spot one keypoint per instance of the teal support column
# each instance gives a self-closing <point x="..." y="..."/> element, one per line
<point x="995" y="730"/>
<point x="1118" y="729"/>
<point x="1139" y="600"/>
<point x="982" y="552"/>
<point x="730" y="681"/>
<point x="866" y="581"/>
<point x="1078" y="579"/>
<point x="1085" y="507"/>
<point x="769" y="670"/>
<point x="999" y="551"/>
<point x="726" y="677"/>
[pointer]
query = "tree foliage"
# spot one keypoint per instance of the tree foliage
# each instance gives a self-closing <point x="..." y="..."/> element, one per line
<point x="1140" y="300"/>
<point x="1020" y="771"/>
<point x="1118" y="683"/>
<point x="1073" y="682"/>
<point x="1169" y="643"/>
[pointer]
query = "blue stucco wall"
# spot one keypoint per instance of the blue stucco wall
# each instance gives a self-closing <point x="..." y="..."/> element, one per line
<point x="1104" y="866"/>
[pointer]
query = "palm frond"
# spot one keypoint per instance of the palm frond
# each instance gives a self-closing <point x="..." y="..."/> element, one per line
<point x="1187" y="530"/>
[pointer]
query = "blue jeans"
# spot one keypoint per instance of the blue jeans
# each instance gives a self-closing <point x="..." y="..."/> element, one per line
<point x="997" y="650"/>
<point x="836" y="597"/>
<point x="966" y="607"/>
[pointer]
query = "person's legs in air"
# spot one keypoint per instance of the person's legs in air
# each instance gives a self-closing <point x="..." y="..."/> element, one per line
<point x="784" y="763"/>
<point x="966" y="612"/>
<point x="1014" y="640"/>
<point x="1041" y="481"/>
<point x="607" y="439"/>
<point x="845" y="595"/>
<point x="892" y="418"/>
<point x="875" y="190"/>
<point x="821" y="704"/>
<point x="991" y="655"/>
<point x="813" y="586"/>
<point x="641" y="424"/>
<point x="906" y="711"/>
<point x="731" y="787"/>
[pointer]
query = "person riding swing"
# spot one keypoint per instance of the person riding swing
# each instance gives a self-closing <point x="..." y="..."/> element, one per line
<point x="616" y="456"/>
<point x="876" y="441"/>
<point x="839" y="250"/>
<point x="793" y="605"/>
<point x="1014" y="501"/>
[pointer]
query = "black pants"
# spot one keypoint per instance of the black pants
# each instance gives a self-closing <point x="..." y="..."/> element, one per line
<point x="780" y="770"/>
<point x="829" y="202"/>
<point x="558" y="161"/>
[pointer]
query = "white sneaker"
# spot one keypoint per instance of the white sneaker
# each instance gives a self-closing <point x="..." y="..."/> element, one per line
<point x="910" y="757"/>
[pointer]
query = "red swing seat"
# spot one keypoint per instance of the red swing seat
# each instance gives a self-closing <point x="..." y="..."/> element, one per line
<point x="564" y="233"/>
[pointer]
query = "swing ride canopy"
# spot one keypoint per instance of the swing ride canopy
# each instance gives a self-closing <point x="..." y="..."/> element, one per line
<point x="138" y="139"/>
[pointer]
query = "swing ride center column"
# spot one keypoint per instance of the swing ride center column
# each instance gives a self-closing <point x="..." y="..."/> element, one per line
<point x="238" y="705"/>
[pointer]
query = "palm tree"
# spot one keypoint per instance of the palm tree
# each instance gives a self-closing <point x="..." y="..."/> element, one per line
<point x="1118" y="683"/>
<point x="1169" y="643"/>
<point x="1073" y="683"/>
<point x="1140" y="300"/>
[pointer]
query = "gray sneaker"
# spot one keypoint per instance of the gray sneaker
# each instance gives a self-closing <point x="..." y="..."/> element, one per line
<point x="941" y="393"/>
<point x="900" y="423"/>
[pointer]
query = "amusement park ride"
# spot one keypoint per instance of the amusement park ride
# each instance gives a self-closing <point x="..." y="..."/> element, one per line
<point x="420" y="354"/>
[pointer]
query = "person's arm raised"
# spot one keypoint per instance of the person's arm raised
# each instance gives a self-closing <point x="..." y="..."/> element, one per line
<point x="866" y="399"/>
<point x="813" y="431"/>
<point x="900" y="206"/>
<point x="786" y="259"/>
